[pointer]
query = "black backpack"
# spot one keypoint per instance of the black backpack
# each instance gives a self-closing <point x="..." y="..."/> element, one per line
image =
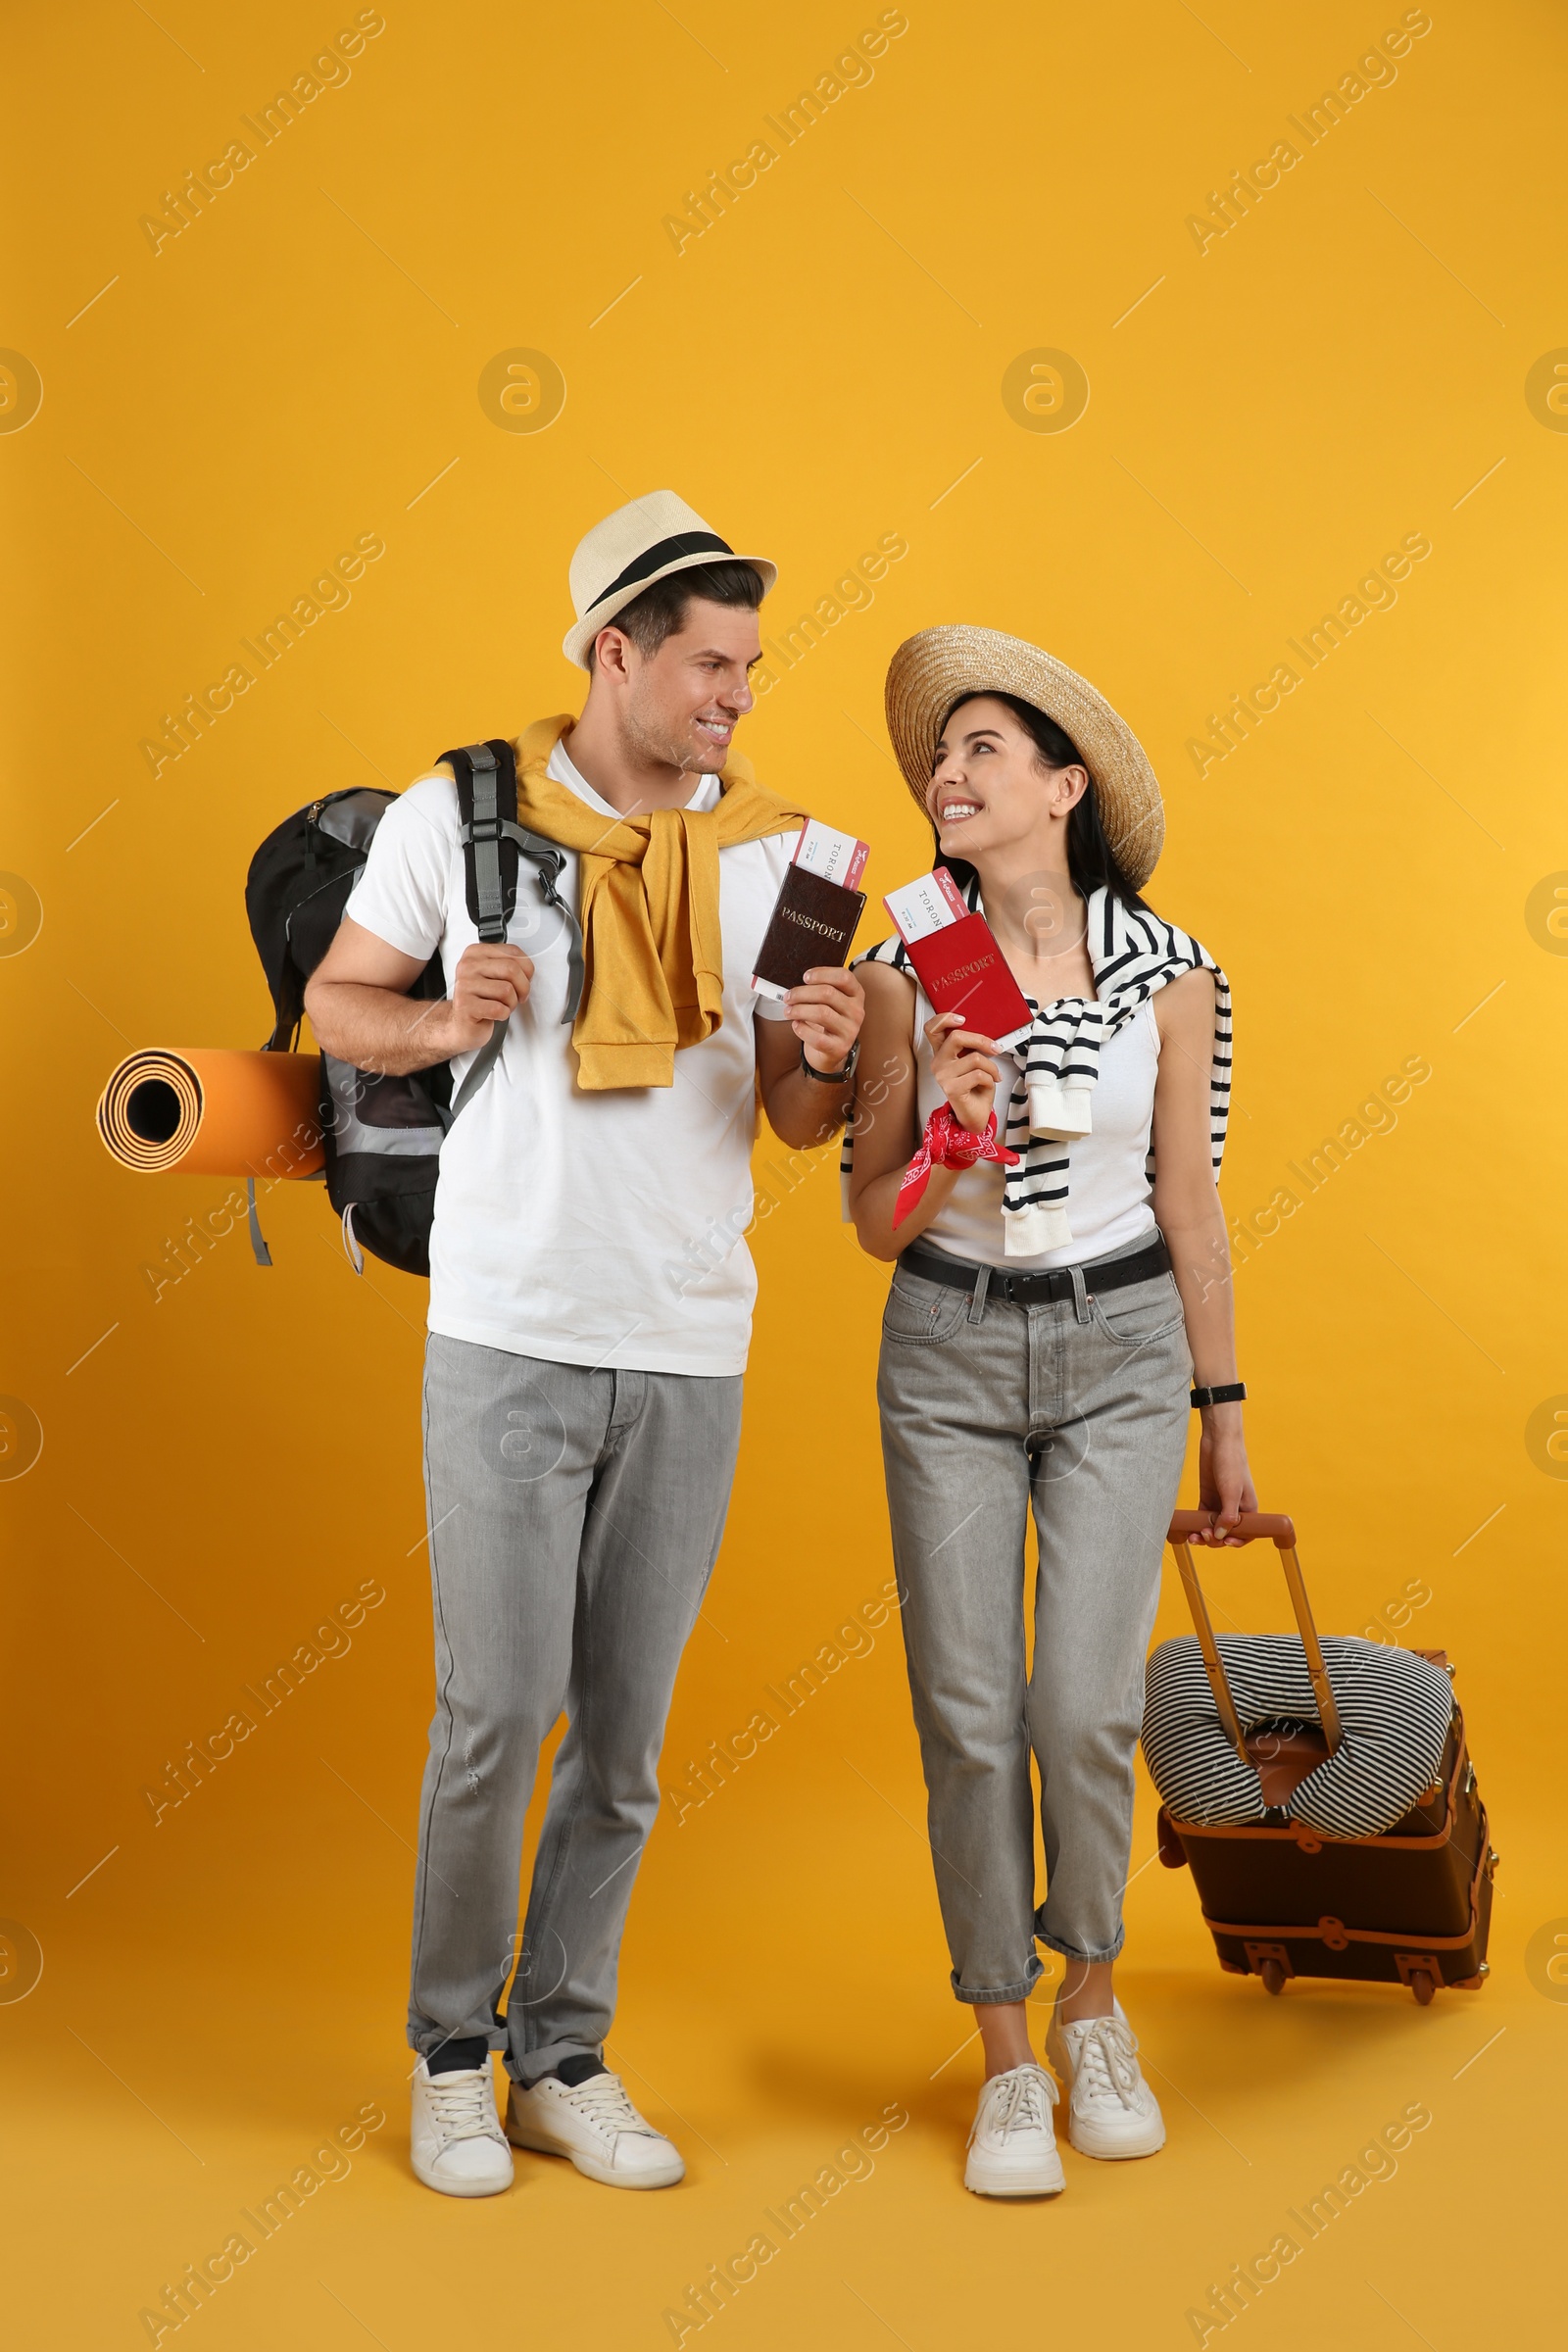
<point x="383" y="1135"/>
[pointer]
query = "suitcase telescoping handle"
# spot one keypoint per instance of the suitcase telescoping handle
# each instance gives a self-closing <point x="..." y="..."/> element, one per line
<point x="1280" y="1532"/>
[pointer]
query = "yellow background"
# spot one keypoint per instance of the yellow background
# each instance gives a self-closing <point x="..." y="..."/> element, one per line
<point x="819" y="368"/>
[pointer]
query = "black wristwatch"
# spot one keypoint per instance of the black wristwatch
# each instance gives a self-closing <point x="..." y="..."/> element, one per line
<point x="833" y="1077"/>
<point x="1233" y="1392"/>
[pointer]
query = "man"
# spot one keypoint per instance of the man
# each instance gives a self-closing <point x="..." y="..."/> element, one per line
<point x="590" y="1308"/>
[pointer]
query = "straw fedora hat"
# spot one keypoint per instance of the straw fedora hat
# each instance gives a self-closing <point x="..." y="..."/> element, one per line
<point x="939" y="667"/>
<point x="633" y="548"/>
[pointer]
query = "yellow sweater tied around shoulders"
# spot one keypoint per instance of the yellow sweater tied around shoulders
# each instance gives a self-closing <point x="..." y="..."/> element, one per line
<point x="648" y="902"/>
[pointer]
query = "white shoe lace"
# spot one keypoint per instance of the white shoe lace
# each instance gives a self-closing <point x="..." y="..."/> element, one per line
<point x="1021" y="2101"/>
<point x="462" y="2105"/>
<point x="1105" y="2066"/>
<point x="602" y="2101"/>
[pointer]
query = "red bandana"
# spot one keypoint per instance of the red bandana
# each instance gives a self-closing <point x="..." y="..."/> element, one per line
<point x="947" y="1145"/>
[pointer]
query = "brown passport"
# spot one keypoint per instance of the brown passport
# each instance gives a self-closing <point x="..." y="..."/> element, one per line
<point x="812" y="923"/>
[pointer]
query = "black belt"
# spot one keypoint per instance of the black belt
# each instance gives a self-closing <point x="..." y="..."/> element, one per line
<point x="1034" y="1290"/>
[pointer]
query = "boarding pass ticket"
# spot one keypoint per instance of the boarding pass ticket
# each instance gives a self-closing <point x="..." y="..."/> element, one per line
<point x="837" y="856"/>
<point x="926" y="906"/>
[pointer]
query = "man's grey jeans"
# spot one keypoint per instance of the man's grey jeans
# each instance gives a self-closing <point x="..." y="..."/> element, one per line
<point x="574" y="1519"/>
<point x="1079" y="1409"/>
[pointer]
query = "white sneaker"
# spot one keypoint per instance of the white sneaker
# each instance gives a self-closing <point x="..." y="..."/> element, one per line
<point x="1012" y="2148"/>
<point x="1111" y="2110"/>
<point x="458" y="2145"/>
<point x="596" y="2125"/>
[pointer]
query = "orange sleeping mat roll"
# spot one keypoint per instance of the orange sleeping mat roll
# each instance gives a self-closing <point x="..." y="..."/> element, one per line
<point x="211" y="1112"/>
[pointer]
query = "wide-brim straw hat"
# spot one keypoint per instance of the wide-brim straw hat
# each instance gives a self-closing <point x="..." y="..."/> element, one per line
<point x="932" y="672"/>
<point x="633" y="548"/>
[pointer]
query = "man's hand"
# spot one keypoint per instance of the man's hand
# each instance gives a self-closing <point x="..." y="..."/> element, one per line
<point x="963" y="1067"/>
<point x="489" y="985"/>
<point x="825" y="1015"/>
<point x="360" y="1010"/>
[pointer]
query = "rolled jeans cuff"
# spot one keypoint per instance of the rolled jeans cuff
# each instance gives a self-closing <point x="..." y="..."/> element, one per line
<point x="973" y="1995"/>
<point x="1070" y="1951"/>
<point x="427" y="2040"/>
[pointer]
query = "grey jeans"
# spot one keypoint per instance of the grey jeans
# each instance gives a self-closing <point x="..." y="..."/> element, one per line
<point x="574" y="1519"/>
<point x="1078" y="1408"/>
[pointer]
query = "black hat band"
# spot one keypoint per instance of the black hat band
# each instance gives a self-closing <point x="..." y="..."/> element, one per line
<point x="656" y="557"/>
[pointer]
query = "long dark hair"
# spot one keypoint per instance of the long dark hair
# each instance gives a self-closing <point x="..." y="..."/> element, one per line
<point x="1091" y="863"/>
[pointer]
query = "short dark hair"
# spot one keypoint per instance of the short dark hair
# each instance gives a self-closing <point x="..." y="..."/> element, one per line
<point x="1092" y="862"/>
<point x="660" y="611"/>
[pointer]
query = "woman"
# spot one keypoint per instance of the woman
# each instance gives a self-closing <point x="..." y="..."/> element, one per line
<point x="1057" y="1284"/>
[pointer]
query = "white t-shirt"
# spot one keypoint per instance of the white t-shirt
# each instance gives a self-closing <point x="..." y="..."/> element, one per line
<point x="599" y="1229"/>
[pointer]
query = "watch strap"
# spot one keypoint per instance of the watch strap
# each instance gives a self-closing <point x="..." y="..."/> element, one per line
<point x="833" y="1077"/>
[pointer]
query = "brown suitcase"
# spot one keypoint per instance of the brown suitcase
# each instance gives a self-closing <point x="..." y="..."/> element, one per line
<point x="1410" y="1906"/>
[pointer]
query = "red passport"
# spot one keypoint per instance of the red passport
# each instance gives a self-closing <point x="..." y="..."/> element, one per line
<point x="962" y="969"/>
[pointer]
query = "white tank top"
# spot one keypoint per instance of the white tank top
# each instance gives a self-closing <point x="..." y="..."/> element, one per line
<point x="1110" y="1198"/>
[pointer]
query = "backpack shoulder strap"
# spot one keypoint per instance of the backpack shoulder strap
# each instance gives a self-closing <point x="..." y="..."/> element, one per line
<point x="493" y="843"/>
<point x="487" y="802"/>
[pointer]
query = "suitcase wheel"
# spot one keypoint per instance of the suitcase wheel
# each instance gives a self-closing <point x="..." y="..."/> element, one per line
<point x="1422" y="1985"/>
<point x="1271" y="1962"/>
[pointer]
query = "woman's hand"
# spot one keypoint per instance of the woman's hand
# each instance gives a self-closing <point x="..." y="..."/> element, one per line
<point x="962" y="1064"/>
<point x="1224" y="1482"/>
